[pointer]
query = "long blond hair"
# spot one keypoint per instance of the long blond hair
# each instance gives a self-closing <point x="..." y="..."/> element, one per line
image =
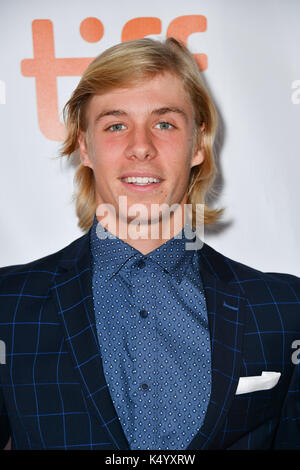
<point x="124" y="65"/>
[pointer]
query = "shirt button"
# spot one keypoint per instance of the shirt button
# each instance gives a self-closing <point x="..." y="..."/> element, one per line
<point x="141" y="264"/>
<point x="145" y="386"/>
<point x="143" y="313"/>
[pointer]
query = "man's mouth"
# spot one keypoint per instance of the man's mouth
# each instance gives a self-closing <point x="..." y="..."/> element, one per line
<point x="141" y="181"/>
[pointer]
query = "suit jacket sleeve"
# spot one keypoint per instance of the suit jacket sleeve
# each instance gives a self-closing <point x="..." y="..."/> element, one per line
<point x="288" y="432"/>
<point x="4" y="423"/>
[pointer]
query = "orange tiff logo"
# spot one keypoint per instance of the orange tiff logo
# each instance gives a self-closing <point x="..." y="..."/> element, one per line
<point x="45" y="67"/>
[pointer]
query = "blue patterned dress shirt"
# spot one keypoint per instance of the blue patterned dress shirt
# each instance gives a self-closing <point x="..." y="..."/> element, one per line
<point x="154" y="339"/>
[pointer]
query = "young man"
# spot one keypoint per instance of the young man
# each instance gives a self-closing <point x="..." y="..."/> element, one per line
<point x="131" y="338"/>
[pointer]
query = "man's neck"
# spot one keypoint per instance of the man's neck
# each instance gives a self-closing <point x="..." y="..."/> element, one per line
<point x="147" y="237"/>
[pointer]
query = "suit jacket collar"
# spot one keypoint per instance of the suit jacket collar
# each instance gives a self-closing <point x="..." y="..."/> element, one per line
<point x="72" y="293"/>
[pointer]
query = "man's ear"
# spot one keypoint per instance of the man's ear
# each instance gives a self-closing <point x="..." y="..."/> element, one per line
<point x="199" y="155"/>
<point x="83" y="149"/>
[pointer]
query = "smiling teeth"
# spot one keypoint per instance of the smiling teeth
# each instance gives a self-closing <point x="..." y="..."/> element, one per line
<point x="140" y="180"/>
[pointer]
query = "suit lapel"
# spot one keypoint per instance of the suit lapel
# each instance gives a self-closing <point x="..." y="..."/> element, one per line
<point x="225" y="308"/>
<point x="72" y="293"/>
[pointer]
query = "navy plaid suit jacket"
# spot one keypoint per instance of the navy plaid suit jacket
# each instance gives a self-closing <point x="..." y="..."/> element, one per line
<point x="53" y="391"/>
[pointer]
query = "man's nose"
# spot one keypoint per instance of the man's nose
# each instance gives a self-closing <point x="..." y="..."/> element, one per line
<point x="141" y="145"/>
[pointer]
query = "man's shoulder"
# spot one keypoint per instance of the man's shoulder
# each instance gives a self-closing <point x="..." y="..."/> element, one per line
<point x="42" y="269"/>
<point x="271" y="299"/>
<point x="250" y="280"/>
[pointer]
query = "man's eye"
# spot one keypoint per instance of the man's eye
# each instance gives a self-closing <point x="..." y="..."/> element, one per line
<point x="116" y="127"/>
<point x="164" y="126"/>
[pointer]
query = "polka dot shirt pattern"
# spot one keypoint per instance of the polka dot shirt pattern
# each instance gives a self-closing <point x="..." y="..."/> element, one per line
<point x="154" y="340"/>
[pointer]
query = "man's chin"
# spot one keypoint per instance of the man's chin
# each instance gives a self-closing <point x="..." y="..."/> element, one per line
<point x="158" y="226"/>
<point x="141" y="220"/>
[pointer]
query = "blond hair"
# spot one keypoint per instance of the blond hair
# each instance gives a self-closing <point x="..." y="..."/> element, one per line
<point x="124" y="65"/>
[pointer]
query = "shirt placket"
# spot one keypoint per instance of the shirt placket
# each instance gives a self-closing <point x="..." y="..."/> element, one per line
<point x="146" y="352"/>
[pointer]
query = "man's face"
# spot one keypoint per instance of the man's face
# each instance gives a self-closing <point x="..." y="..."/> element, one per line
<point x="141" y="131"/>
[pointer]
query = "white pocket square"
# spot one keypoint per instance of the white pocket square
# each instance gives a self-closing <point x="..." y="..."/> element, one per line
<point x="265" y="381"/>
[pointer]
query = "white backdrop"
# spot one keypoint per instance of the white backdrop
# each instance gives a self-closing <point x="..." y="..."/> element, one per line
<point x="253" y="72"/>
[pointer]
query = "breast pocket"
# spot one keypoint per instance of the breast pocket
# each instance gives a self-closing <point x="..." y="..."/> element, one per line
<point x="254" y="402"/>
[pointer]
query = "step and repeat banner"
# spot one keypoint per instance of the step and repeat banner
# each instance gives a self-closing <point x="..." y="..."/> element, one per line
<point x="248" y="52"/>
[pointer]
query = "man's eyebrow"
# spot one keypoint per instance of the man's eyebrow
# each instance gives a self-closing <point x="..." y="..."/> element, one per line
<point x="171" y="109"/>
<point x="159" y="112"/>
<point x="110" y="112"/>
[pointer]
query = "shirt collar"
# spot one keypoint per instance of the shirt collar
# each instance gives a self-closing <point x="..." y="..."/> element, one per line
<point x="110" y="253"/>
